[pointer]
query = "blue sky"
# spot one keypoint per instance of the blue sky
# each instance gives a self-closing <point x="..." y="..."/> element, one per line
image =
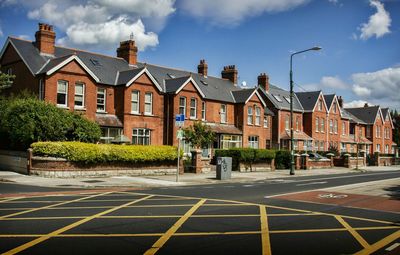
<point x="360" y="59"/>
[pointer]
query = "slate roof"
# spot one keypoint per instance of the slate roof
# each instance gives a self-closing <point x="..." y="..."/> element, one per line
<point x="351" y="117"/>
<point x="366" y="114"/>
<point x="308" y="99"/>
<point x="275" y="91"/>
<point x="173" y="85"/>
<point x="125" y="76"/>
<point x="385" y="111"/>
<point x="329" y="100"/>
<point x="241" y="96"/>
<point x="51" y="63"/>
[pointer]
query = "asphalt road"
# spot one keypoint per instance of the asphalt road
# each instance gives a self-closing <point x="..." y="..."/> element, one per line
<point x="238" y="218"/>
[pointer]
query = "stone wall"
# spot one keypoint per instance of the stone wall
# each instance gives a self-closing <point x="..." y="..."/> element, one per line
<point x="15" y="161"/>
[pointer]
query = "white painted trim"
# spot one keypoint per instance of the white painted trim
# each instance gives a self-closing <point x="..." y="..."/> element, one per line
<point x="129" y="83"/>
<point x="195" y="85"/>
<point x="258" y="95"/>
<point x="68" y="60"/>
<point x="323" y="100"/>
<point x="380" y="113"/>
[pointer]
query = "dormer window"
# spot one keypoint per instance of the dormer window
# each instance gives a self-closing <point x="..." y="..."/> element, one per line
<point x="277" y="98"/>
<point x="287" y="99"/>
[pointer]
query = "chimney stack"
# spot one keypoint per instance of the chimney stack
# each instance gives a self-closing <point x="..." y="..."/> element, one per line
<point x="263" y="81"/>
<point x="128" y="51"/>
<point x="340" y="100"/>
<point x="45" y="39"/>
<point x="230" y="73"/>
<point x="366" y="105"/>
<point x="202" y="68"/>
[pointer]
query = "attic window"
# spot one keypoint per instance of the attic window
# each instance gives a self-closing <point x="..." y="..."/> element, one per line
<point x="95" y="62"/>
<point x="171" y="76"/>
<point x="204" y="82"/>
<point x="277" y="98"/>
<point x="287" y="99"/>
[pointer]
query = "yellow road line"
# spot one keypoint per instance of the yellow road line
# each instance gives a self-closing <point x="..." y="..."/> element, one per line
<point x="50" y="206"/>
<point x="354" y="233"/>
<point x="316" y="230"/>
<point x="219" y="233"/>
<point x="140" y="216"/>
<point x="66" y="228"/>
<point x="293" y="214"/>
<point x="223" y="215"/>
<point x="380" y="244"/>
<point x="150" y="206"/>
<point x="266" y="245"/>
<point x="162" y="240"/>
<point x="10" y="199"/>
<point x="44" y="218"/>
<point x="228" y="205"/>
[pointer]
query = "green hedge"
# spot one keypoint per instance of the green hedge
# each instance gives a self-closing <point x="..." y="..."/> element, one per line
<point x="282" y="159"/>
<point x="245" y="155"/>
<point x="101" y="153"/>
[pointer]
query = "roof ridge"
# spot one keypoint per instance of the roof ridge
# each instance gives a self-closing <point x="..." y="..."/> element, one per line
<point x="18" y="38"/>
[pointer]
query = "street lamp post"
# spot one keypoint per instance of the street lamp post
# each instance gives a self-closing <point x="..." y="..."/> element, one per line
<point x="291" y="108"/>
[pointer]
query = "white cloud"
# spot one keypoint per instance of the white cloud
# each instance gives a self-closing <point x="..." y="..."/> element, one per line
<point x="110" y="32"/>
<point x="1" y="32"/>
<point x="25" y="37"/>
<point x="380" y="87"/>
<point x="378" y="24"/>
<point x="102" y="24"/>
<point x="355" y="103"/>
<point x="231" y="13"/>
<point x="327" y="83"/>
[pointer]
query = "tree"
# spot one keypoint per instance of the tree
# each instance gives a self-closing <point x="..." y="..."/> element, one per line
<point x="199" y="135"/>
<point x="6" y="80"/>
<point x="396" y="122"/>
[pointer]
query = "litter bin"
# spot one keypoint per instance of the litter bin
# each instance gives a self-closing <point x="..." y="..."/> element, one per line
<point x="224" y="168"/>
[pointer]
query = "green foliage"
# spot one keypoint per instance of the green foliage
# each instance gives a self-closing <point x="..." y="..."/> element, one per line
<point x="6" y="80"/>
<point x="396" y="122"/>
<point x="333" y="149"/>
<point x="245" y="155"/>
<point x="24" y="120"/>
<point x="282" y="159"/>
<point x="104" y="153"/>
<point x="199" y="135"/>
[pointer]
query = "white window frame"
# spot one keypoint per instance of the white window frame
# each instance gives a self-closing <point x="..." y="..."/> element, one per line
<point x="322" y="125"/>
<point x="331" y="126"/>
<point x="82" y="95"/>
<point x="287" y="122"/>
<point x="104" y="92"/>
<point x="320" y="105"/>
<point x="222" y="113"/>
<point x="386" y="149"/>
<point x="258" y="116"/>
<point x="62" y="82"/>
<point x="335" y="127"/>
<point x="249" y="115"/>
<point x="266" y="124"/>
<point x="343" y="128"/>
<point x="148" y="103"/>
<point x="193" y="109"/>
<point x="135" y="102"/>
<point x="378" y="148"/>
<point x="230" y="141"/>
<point x="145" y="136"/>
<point x="316" y="124"/>
<point x="182" y="107"/>
<point x="297" y="123"/>
<point x="253" y="142"/>
<point x="368" y="132"/>
<point x="203" y="110"/>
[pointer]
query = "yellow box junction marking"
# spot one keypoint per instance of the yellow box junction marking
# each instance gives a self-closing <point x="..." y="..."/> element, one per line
<point x="353" y="232"/>
<point x="265" y="241"/>
<point x="53" y="205"/>
<point x="380" y="244"/>
<point x="71" y="226"/>
<point x="162" y="240"/>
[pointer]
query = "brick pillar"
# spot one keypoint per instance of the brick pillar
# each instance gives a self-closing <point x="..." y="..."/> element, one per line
<point x="29" y="160"/>
<point x="331" y="156"/>
<point x="347" y="160"/>
<point x="197" y="164"/>
<point x="297" y="161"/>
<point x="377" y="159"/>
<point x="306" y="163"/>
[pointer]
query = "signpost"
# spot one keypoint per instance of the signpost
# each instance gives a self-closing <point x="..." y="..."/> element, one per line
<point x="179" y="121"/>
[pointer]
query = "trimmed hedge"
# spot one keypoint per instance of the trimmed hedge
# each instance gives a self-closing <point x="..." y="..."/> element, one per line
<point x="245" y="155"/>
<point x="282" y="159"/>
<point x="102" y="153"/>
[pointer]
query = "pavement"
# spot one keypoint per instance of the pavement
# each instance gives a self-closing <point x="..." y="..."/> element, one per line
<point x="186" y="179"/>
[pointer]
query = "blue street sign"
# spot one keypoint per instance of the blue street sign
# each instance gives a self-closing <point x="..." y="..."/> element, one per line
<point x="179" y="120"/>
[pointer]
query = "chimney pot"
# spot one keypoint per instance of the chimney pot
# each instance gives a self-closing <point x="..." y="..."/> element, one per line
<point x="128" y="51"/>
<point x="45" y="39"/>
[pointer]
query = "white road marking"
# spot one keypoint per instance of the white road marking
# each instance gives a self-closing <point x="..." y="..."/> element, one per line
<point x="248" y="185"/>
<point x="392" y="247"/>
<point x="310" y="183"/>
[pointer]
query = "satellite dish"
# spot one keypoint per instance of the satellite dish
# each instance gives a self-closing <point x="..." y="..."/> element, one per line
<point x="244" y="83"/>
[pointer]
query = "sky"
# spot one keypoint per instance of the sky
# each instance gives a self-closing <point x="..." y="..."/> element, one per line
<point x="359" y="60"/>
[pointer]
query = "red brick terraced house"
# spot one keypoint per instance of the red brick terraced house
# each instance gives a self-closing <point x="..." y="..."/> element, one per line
<point x="278" y="100"/>
<point x="378" y="128"/>
<point x="315" y="118"/>
<point x="136" y="99"/>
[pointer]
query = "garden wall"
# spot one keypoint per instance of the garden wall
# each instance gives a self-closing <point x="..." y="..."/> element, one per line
<point x="15" y="161"/>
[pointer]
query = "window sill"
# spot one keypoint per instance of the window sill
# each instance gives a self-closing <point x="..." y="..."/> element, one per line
<point x="63" y="107"/>
<point x="80" y="108"/>
<point x="192" y="118"/>
<point x="148" y="114"/>
<point x="104" y="112"/>
<point x="249" y="124"/>
<point x="136" y="113"/>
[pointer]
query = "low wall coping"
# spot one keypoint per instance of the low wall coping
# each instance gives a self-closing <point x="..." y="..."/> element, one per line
<point x="49" y="159"/>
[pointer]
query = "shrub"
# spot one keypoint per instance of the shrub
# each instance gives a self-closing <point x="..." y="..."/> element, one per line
<point x="282" y="159"/>
<point x="245" y="155"/>
<point x="24" y="120"/>
<point x="103" y="153"/>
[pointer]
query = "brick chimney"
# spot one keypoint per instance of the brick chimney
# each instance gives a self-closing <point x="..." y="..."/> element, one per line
<point x="340" y="100"/>
<point x="230" y="73"/>
<point x="128" y="51"/>
<point x="45" y="39"/>
<point x="202" y="68"/>
<point x="263" y="81"/>
<point x="366" y="105"/>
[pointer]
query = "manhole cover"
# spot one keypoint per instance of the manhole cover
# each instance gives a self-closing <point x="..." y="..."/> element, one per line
<point x="330" y="195"/>
<point x="92" y="181"/>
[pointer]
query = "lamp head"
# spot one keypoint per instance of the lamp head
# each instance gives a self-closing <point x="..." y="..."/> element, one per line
<point x="316" y="48"/>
